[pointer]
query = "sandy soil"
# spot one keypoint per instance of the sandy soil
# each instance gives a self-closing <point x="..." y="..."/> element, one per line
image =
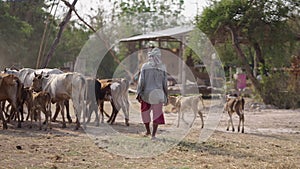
<point x="271" y="140"/>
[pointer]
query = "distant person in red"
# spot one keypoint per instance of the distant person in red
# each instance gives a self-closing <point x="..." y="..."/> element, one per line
<point x="241" y="80"/>
<point x="152" y="91"/>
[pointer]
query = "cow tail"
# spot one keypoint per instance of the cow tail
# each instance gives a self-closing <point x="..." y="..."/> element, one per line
<point x="48" y="102"/>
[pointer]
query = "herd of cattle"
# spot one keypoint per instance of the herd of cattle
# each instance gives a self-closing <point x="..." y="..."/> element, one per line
<point x="36" y="89"/>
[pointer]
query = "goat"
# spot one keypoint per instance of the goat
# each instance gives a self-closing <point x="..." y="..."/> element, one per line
<point x="184" y="102"/>
<point x="235" y="104"/>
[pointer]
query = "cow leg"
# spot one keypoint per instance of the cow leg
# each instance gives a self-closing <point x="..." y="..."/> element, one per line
<point x="113" y="116"/>
<point x="50" y="119"/>
<point x="4" y="123"/>
<point x="183" y="119"/>
<point x="229" y="120"/>
<point x="57" y="110"/>
<point x="78" y="109"/>
<point x="88" y="111"/>
<point x="112" y="112"/>
<point x="18" y="118"/>
<point x="31" y="117"/>
<point x="2" y="106"/>
<point x="242" y="119"/>
<point x="201" y="116"/>
<point x="61" y="104"/>
<point x="22" y="112"/>
<point x="178" y="117"/>
<point x="40" y="119"/>
<point x="101" y="105"/>
<point x="91" y="107"/>
<point x="12" y="114"/>
<point x="9" y="116"/>
<point x="48" y="115"/>
<point x="195" y="110"/>
<point x="232" y="123"/>
<point x="97" y="119"/>
<point x="67" y="105"/>
<point x="28" y="111"/>
<point x="126" y="113"/>
<point x="95" y="109"/>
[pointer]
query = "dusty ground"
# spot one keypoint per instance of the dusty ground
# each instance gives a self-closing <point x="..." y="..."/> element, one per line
<point x="271" y="140"/>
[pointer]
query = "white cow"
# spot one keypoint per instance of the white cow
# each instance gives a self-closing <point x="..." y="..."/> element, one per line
<point x="26" y="75"/>
<point x="90" y="98"/>
<point x="63" y="87"/>
<point x="119" y="93"/>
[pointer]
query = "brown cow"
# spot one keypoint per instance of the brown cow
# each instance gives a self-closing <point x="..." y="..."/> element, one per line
<point x="115" y="91"/>
<point x="41" y="101"/>
<point x="10" y="90"/>
<point x="102" y="93"/>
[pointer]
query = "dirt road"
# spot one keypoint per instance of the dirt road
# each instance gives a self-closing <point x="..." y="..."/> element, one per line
<point x="271" y="140"/>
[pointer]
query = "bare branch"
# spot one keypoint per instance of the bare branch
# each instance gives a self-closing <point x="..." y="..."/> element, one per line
<point x="106" y="45"/>
<point x="62" y="26"/>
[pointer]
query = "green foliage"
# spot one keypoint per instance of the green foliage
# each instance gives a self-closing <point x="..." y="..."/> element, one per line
<point x="12" y="46"/>
<point x="70" y="45"/>
<point x="22" y="24"/>
<point x="277" y="91"/>
<point x="263" y="22"/>
<point x="265" y="29"/>
<point x="150" y="15"/>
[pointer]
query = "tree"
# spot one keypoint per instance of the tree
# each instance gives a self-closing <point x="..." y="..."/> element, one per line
<point x="131" y="17"/>
<point x="150" y="15"/>
<point x="22" y="24"/>
<point x="259" y="27"/>
<point x="12" y="25"/>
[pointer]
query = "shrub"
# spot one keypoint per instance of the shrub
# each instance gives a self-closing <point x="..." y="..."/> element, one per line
<point x="277" y="91"/>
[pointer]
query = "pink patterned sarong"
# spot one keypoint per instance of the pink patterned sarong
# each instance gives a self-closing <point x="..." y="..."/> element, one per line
<point x="157" y="110"/>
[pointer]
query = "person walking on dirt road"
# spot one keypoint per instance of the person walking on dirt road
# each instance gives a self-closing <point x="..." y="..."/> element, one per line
<point x="152" y="91"/>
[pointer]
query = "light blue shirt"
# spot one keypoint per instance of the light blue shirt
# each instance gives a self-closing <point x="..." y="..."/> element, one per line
<point x="152" y="84"/>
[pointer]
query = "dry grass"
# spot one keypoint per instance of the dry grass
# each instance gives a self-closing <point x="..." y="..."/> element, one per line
<point x="271" y="140"/>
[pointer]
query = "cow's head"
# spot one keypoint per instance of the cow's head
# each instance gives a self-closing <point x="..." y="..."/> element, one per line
<point x="37" y="82"/>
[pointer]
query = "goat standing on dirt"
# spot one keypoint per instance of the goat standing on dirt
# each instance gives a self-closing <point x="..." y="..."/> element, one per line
<point x="182" y="103"/>
<point x="235" y="104"/>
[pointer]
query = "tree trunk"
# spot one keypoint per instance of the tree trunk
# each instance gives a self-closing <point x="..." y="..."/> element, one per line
<point x="243" y="58"/>
<point x="258" y="53"/>
<point x="62" y="26"/>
